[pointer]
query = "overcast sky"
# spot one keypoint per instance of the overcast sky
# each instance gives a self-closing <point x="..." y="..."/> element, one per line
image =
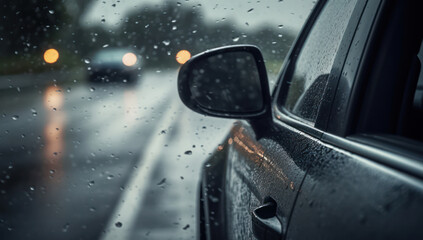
<point x="245" y="14"/>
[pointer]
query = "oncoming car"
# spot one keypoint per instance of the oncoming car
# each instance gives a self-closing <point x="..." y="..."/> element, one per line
<point x="114" y="65"/>
<point x="336" y="150"/>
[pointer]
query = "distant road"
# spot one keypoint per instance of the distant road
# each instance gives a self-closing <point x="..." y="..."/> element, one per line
<point x="84" y="161"/>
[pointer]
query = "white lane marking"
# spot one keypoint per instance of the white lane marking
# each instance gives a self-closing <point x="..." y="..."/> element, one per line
<point x="132" y="198"/>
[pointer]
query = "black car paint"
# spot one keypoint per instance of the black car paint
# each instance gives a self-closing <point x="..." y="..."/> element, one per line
<point x="347" y="187"/>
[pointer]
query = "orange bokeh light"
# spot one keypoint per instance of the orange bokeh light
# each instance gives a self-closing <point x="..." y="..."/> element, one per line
<point x="51" y="55"/>
<point x="129" y="59"/>
<point x="183" y="56"/>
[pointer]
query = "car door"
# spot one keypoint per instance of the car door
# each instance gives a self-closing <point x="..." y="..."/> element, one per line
<point x="265" y="168"/>
<point x="368" y="181"/>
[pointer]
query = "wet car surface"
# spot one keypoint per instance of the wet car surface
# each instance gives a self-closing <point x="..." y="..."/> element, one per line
<point x="335" y="152"/>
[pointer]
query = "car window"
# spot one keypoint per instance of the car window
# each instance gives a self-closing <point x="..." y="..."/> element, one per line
<point x="314" y="62"/>
<point x="418" y="95"/>
<point x="411" y="125"/>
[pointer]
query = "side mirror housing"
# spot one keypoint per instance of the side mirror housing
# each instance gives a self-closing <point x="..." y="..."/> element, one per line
<point x="229" y="82"/>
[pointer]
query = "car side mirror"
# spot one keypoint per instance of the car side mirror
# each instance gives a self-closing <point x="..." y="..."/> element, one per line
<point x="229" y="82"/>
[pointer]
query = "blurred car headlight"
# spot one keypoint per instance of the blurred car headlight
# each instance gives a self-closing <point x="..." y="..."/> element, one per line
<point x="129" y="59"/>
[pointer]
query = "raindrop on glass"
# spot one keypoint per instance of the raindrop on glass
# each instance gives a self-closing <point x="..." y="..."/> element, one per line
<point x="166" y="42"/>
<point x="118" y="224"/>
<point x="91" y="183"/>
<point x="65" y="227"/>
<point x="162" y="182"/>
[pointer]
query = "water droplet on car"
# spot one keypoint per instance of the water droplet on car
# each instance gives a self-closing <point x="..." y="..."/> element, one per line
<point x="105" y="45"/>
<point x="92" y="89"/>
<point x="32" y="188"/>
<point x="87" y="60"/>
<point x="235" y="39"/>
<point x="110" y="177"/>
<point x="178" y="4"/>
<point x="186" y="227"/>
<point x="250" y="10"/>
<point x="51" y="11"/>
<point x="291" y="185"/>
<point x="213" y="198"/>
<point x="15" y="117"/>
<point x="280" y="26"/>
<point x="189" y="152"/>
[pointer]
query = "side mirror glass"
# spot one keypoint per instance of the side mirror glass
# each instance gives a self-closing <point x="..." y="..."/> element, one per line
<point x="226" y="82"/>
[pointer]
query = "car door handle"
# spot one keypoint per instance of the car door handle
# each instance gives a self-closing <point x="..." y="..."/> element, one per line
<point x="265" y="224"/>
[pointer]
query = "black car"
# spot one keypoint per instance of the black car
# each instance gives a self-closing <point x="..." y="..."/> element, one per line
<point x="336" y="151"/>
<point x="114" y="65"/>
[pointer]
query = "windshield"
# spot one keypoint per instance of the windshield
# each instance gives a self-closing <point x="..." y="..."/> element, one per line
<point x="110" y="152"/>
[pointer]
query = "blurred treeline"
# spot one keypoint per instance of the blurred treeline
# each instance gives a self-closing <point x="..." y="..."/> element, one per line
<point x="156" y="32"/>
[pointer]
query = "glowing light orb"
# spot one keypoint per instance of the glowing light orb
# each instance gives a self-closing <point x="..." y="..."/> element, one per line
<point x="51" y="55"/>
<point x="129" y="59"/>
<point x="183" y="56"/>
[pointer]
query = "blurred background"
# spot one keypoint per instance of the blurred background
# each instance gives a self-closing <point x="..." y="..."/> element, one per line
<point x="94" y="141"/>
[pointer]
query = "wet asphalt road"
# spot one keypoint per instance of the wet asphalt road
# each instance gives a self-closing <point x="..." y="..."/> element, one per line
<point x="111" y="161"/>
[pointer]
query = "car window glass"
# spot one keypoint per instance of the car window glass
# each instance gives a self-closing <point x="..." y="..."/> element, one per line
<point x="418" y="95"/>
<point x="95" y="142"/>
<point x="315" y="60"/>
<point x="412" y="124"/>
